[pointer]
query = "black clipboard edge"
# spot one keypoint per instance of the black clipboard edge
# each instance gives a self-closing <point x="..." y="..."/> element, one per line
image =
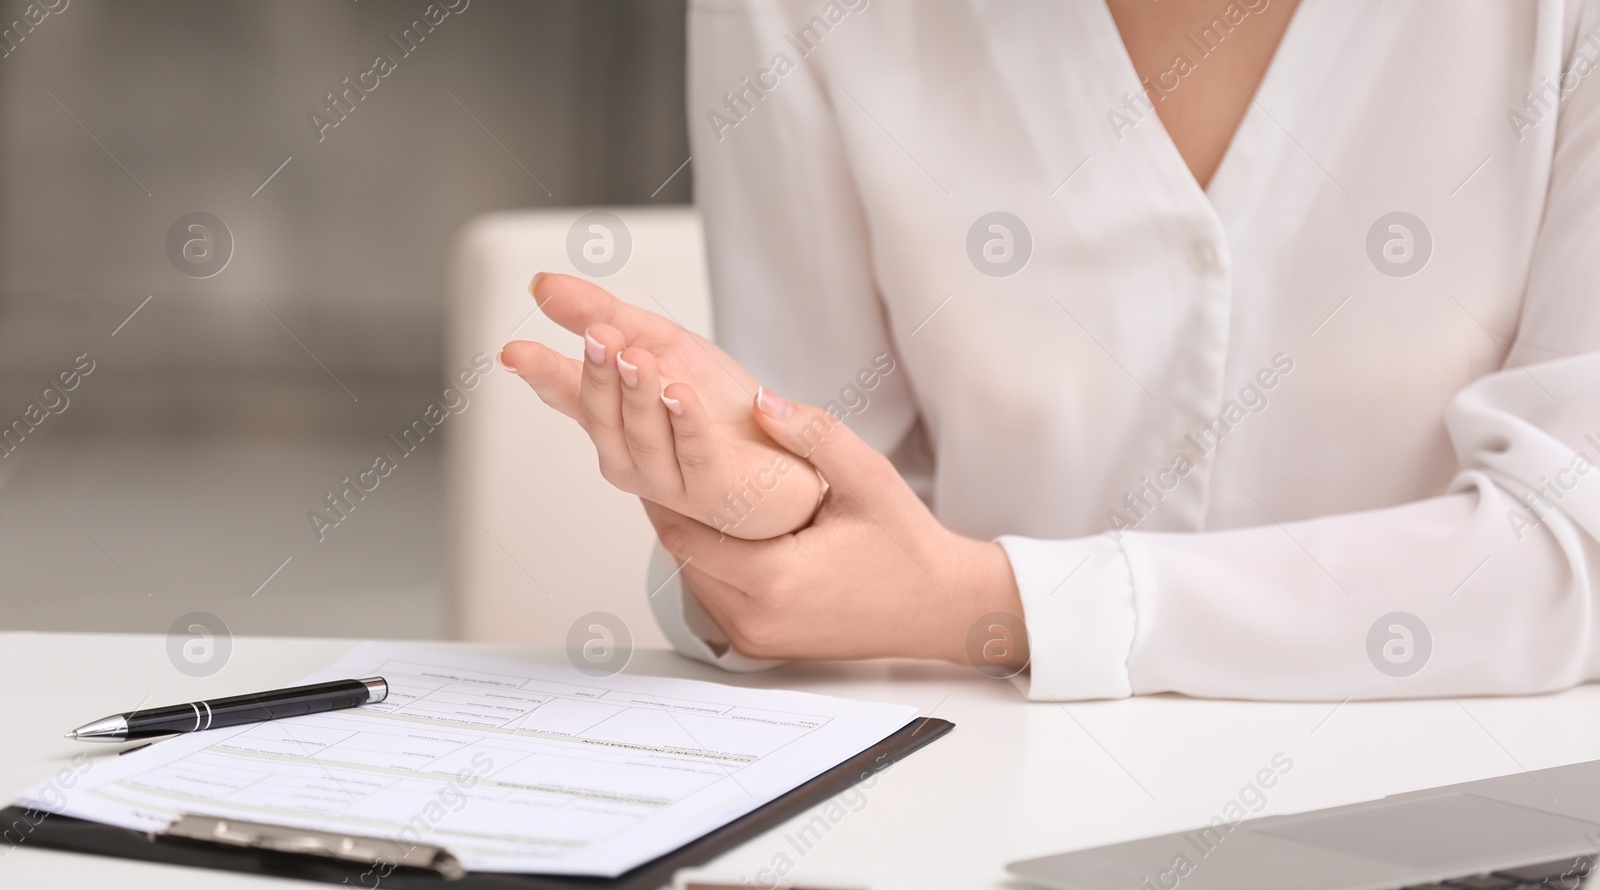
<point x="65" y="833"/>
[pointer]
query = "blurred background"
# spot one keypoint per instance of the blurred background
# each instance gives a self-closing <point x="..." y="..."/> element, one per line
<point x="179" y="473"/>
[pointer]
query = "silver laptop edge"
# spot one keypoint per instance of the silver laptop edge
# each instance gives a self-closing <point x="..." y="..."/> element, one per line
<point x="1398" y="841"/>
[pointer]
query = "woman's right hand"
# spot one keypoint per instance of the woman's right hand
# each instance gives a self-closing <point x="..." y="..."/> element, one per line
<point x="669" y="413"/>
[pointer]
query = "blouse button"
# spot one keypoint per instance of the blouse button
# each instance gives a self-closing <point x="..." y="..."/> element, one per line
<point x="1202" y="256"/>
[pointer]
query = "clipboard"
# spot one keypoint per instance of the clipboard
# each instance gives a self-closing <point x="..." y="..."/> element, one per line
<point x="275" y="851"/>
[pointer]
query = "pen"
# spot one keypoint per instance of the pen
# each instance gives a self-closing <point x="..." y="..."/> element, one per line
<point x="232" y="711"/>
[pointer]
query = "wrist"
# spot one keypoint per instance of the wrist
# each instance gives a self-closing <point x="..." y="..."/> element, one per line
<point x="815" y="487"/>
<point x="984" y="586"/>
<point x="779" y="499"/>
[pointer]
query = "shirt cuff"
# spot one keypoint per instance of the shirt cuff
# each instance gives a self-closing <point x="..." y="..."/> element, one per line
<point x="1078" y="606"/>
<point x="687" y="626"/>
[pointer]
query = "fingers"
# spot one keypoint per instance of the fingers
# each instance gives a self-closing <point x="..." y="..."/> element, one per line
<point x="645" y="428"/>
<point x="643" y="438"/>
<point x="576" y="305"/>
<point x="696" y="444"/>
<point x="732" y="561"/>
<point x="600" y="403"/>
<point x="552" y="375"/>
<point x="723" y="602"/>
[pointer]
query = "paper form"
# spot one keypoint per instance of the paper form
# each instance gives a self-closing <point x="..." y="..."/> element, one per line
<point x="509" y="765"/>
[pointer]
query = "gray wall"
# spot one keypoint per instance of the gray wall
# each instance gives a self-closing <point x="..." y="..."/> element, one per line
<point x="180" y="476"/>
<point x="201" y="100"/>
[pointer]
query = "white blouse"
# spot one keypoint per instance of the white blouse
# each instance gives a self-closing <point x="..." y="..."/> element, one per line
<point x="1326" y="429"/>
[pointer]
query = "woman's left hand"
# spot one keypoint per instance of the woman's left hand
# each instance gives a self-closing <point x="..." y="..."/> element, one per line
<point x="874" y="574"/>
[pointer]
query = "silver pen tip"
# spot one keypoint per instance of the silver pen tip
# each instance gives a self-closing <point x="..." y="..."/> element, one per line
<point x="70" y="735"/>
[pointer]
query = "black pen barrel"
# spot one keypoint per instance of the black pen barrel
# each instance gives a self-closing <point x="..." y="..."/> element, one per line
<point x="234" y="710"/>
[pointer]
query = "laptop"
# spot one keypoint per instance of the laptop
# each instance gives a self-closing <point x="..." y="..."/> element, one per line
<point x="1518" y="832"/>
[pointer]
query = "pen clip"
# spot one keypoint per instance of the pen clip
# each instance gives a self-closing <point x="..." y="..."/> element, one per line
<point x="352" y="848"/>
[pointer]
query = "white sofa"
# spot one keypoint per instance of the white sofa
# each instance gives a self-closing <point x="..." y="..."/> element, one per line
<point x="536" y="537"/>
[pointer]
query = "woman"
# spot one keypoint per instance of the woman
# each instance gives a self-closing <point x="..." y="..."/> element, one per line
<point x="1241" y="349"/>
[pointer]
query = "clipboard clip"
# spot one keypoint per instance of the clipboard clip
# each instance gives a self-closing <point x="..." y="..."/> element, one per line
<point x="307" y="842"/>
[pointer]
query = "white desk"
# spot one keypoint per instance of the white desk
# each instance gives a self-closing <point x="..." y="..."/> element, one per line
<point x="1013" y="780"/>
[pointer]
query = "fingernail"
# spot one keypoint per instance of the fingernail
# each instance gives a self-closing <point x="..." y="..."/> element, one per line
<point x="773" y="405"/>
<point x="672" y="404"/>
<point x="629" y="373"/>
<point x="594" y="349"/>
<point x="535" y="282"/>
<point x="500" y="359"/>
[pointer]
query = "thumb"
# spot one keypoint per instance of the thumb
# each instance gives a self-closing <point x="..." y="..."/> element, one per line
<point x="832" y="447"/>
